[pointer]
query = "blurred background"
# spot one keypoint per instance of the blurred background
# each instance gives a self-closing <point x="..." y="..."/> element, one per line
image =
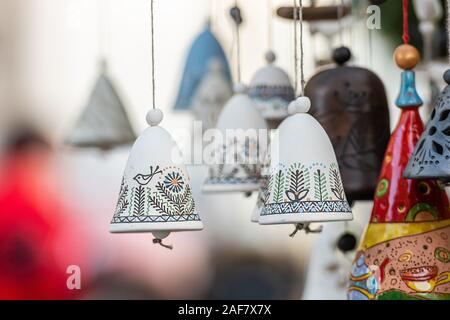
<point x="56" y="202"/>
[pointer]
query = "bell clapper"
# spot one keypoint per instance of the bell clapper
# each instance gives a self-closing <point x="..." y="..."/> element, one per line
<point x="159" y="236"/>
<point x="306" y="227"/>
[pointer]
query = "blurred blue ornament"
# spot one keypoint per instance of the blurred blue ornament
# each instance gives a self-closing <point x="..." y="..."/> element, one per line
<point x="205" y="48"/>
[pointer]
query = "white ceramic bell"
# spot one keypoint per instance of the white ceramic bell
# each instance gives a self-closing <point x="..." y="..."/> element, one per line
<point x="271" y="90"/>
<point x="155" y="194"/>
<point x="239" y="114"/>
<point x="305" y="184"/>
<point x="213" y="92"/>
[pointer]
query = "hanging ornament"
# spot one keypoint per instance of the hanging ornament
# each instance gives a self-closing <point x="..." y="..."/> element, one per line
<point x="305" y="184"/>
<point x="213" y="92"/>
<point x="351" y="104"/>
<point x="404" y="252"/>
<point x="104" y="122"/>
<point x="431" y="157"/>
<point x="155" y="195"/>
<point x="238" y="168"/>
<point x="206" y="48"/>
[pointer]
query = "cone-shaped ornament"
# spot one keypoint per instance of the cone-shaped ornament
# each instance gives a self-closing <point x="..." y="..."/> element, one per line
<point x="155" y="194"/>
<point x="431" y="157"/>
<point x="404" y="253"/>
<point x="104" y="122"/>
<point x="305" y="184"/>
<point x="237" y="167"/>
<point x="351" y="105"/>
<point x="204" y="49"/>
<point x="271" y="90"/>
<point x="212" y="94"/>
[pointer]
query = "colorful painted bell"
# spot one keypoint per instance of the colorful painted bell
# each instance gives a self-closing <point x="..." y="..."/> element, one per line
<point x="351" y="105"/>
<point x="405" y="250"/>
<point x="431" y="157"/>
<point x="305" y="184"/>
<point x="271" y="90"/>
<point x="238" y="168"/>
<point x="204" y="49"/>
<point x="213" y="92"/>
<point x="104" y="122"/>
<point x="155" y="195"/>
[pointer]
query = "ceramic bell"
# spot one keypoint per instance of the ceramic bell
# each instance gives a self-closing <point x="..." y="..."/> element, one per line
<point x="239" y="115"/>
<point x="104" y="122"/>
<point x="155" y="195"/>
<point x="404" y="253"/>
<point x="213" y="92"/>
<point x="271" y="90"/>
<point x="351" y="105"/>
<point x="431" y="157"/>
<point x="204" y="49"/>
<point x="305" y="184"/>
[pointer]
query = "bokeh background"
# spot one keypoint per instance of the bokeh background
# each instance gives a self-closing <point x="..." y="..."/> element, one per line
<point x="56" y="202"/>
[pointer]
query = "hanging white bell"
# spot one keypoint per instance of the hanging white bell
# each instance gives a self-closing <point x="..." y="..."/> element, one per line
<point x="213" y="92"/>
<point x="305" y="184"/>
<point x="271" y="90"/>
<point x="155" y="194"/>
<point x="241" y="117"/>
<point x="104" y="122"/>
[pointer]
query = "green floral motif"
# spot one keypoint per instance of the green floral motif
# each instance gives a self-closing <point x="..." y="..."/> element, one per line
<point x="278" y="186"/>
<point x="320" y="185"/>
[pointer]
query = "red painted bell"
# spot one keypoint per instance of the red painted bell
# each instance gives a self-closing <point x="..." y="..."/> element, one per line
<point x="405" y="250"/>
<point x="351" y="104"/>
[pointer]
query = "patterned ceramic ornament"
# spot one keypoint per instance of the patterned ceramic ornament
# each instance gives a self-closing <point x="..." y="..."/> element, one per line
<point x="205" y="48"/>
<point x="271" y="90"/>
<point x="350" y="103"/>
<point x="404" y="253"/>
<point x="239" y="115"/>
<point x="213" y="92"/>
<point x="431" y="157"/>
<point x="305" y="184"/>
<point x="104" y="122"/>
<point x="155" y="194"/>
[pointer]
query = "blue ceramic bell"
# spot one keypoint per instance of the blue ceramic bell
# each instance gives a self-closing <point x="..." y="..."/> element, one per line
<point x="205" y="48"/>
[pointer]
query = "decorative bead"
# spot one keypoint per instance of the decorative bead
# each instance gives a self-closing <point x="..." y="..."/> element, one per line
<point x="447" y="76"/>
<point x="240" y="88"/>
<point x="347" y="242"/>
<point x="300" y="105"/>
<point x="161" y="234"/>
<point x="406" y="56"/>
<point x="270" y="57"/>
<point x="235" y="14"/>
<point x="342" y="55"/>
<point x="154" y="117"/>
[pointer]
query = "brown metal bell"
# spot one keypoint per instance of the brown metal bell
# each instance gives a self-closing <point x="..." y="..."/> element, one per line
<point x="351" y="104"/>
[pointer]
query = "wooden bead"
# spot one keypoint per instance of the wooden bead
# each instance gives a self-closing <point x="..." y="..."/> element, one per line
<point x="406" y="56"/>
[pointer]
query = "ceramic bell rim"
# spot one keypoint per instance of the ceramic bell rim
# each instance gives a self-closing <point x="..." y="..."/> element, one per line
<point x="430" y="159"/>
<point x="271" y="89"/>
<point x="305" y="183"/>
<point x="155" y="193"/>
<point x="239" y="113"/>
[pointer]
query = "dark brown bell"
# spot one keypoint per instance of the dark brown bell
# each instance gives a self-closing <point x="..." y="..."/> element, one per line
<point x="351" y="104"/>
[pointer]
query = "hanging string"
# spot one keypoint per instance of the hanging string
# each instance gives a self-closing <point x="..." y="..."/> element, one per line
<point x="405" y="22"/>
<point x="302" y="71"/>
<point x="153" y="54"/>
<point x="270" y="24"/>
<point x="295" y="47"/>
<point x="340" y="5"/>
<point x="238" y="47"/>
<point x="448" y="29"/>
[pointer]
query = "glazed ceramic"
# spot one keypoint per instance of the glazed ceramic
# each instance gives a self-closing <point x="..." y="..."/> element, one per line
<point x="351" y="105"/>
<point x="155" y="194"/>
<point x="104" y="122"/>
<point x="404" y="253"/>
<point x="271" y="90"/>
<point x="240" y="113"/>
<point x="431" y="157"/>
<point x="204" y="49"/>
<point x="305" y="184"/>
<point x="212" y="93"/>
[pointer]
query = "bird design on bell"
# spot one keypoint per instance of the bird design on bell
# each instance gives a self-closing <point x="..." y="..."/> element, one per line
<point x="408" y="237"/>
<point x="431" y="157"/>
<point x="305" y="184"/>
<point x="155" y="195"/>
